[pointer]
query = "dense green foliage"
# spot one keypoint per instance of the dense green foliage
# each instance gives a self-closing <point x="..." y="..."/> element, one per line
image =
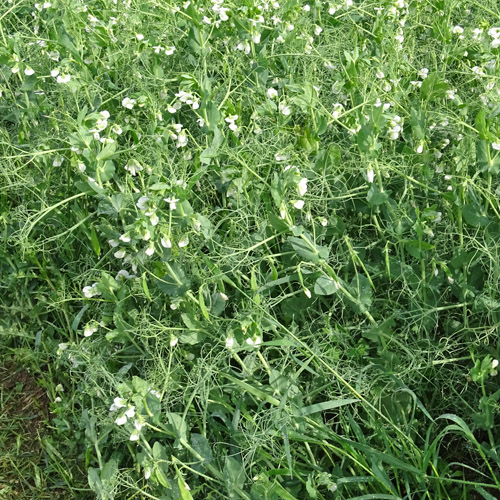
<point x="252" y="248"/>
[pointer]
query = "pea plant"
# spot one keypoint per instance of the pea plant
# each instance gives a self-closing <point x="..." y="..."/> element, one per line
<point x="251" y="248"/>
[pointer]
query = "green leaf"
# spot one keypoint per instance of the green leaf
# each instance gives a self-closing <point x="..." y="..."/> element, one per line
<point x="78" y="318"/>
<point x="433" y="87"/>
<point x="365" y="137"/>
<point x="106" y="171"/>
<point x="474" y="215"/>
<point x="277" y="223"/>
<point x="185" y="493"/>
<point x="95" y="242"/>
<point x="234" y="475"/>
<point x="203" y="307"/>
<point x="325" y="405"/>
<point x="481" y="126"/>
<point x="95" y="482"/>
<point x="307" y="249"/>
<point x="107" y="152"/>
<point x="376" y="197"/>
<point x="213" y="116"/>
<point x="174" y="283"/>
<point x="417" y="120"/>
<point x="325" y="286"/>
<point x="361" y="289"/>
<point x="202" y="446"/>
<point x="179" y="426"/>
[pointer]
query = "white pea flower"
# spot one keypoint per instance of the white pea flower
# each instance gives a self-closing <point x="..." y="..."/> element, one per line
<point x="130" y="413"/>
<point x="166" y="243"/>
<point x="370" y="175"/>
<point x="117" y="404"/>
<point x="182" y="140"/>
<point x="174" y="108"/>
<point x="121" y="420"/>
<point x="139" y="36"/>
<point x="284" y="109"/>
<point x="54" y="73"/>
<point x="423" y="73"/>
<point x="493" y="32"/>
<point x="113" y="243"/>
<point x="380" y="74"/>
<point x="256" y="38"/>
<point x="128" y="103"/>
<point x="337" y="110"/>
<point x="302" y="186"/>
<point x="496" y="146"/>
<point x="147" y="473"/>
<point x="173" y="341"/>
<point x="142" y="203"/>
<point x="457" y="30"/>
<point x="254" y="342"/>
<point x="134" y="436"/>
<point x="89" y="330"/>
<point x="494" y="363"/>
<point x="116" y="129"/>
<point x="123" y="273"/>
<point x="29" y="71"/>
<point x="172" y="202"/>
<point x="133" y="166"/>
<point x="229" y="342"/>
<point x="58" y="161"/>
<point x="63" y="78"/>
<point x="169" y="50"/>
<point x="318" y="30"/>
<point x="299" y="204"/>
<point x="307" y="292"/>
<point x="120" y="254"/>
<point x="244" y="46"/>
<point x="183" y="242"/>
<point x="61" y="347"/>
<point x="150" y="250"/>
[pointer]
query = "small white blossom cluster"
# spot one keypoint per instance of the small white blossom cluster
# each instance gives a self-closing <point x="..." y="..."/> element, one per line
<point x="179" y="135"/>
<point x="91" y="291"/>
<point x="186" y="98"/>
<point x="231" y="121"/>
<point x="220" y="11"/>
<point x="395" y="127"/>
<point x="301" y="184"/>
<point x="495" y="35"/>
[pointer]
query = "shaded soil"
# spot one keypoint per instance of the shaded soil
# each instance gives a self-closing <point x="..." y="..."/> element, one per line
<point x="24" y="409"/>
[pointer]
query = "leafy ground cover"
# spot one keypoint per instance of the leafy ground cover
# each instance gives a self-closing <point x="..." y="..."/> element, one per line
<point x="250" y="249"/>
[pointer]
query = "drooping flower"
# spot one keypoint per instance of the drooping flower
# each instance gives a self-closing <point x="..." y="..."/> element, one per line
<point x="302" y="186"/>
<point x="89" y="329"/>
<point x="128" y="103"/>
<point x="284" y="109"/>
<point x="117" y="404"/>
<point x="272" y="93"/>
<point x="172" y="202"/>
<point x="142" y="203"/>
<point x="63" y="78"/>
